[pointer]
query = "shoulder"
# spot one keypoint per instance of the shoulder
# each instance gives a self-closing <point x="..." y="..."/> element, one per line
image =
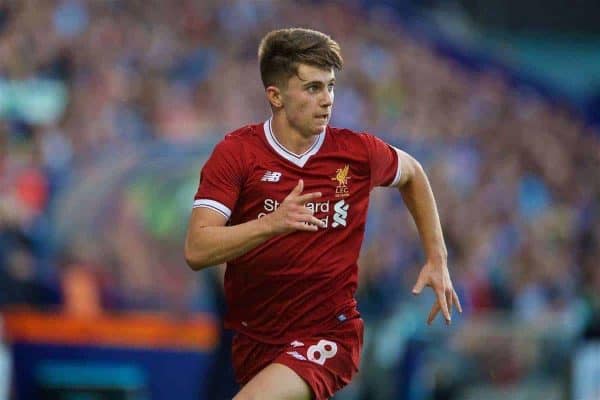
<point x="347" y="139"/>
<point x="344" y="136"/>
<point x="238" y="140"/>
<point x="348" y="135"/>
<point x="241" y="135"/>
<point x="234" y="148"/>
<point x="342" y="133"/>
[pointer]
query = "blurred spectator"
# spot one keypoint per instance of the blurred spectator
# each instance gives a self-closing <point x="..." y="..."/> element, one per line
<point x="84" y="83"/>
<point x="5" y="366"/>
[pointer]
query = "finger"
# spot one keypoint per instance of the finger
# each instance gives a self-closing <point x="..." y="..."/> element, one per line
<point x="456" y="301"/>
<point x="308" y="196"/>
<point x="310" y="219"/>
<point x="449" y="300"/>
<point x="317" y="222"/>
<point x="421" y="283"/>
<point x="299" y="188"/>
<point x="434" y="311"/>
<point x="305" y="218"/>
<point x="300" y="211"/>
<point x="303" y="226"/>
<point x="441" y="296"/>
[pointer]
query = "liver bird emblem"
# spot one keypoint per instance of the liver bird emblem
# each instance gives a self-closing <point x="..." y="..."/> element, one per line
<point x="341" y="175"/>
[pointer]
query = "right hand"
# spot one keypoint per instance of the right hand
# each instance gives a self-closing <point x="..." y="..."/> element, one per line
<point x="293" y="215"/>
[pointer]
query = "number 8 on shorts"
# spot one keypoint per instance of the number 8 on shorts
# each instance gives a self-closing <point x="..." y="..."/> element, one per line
<point x="321" y="351"/>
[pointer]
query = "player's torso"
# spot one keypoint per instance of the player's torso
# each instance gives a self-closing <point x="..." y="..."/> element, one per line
<point x="337" y="167"/>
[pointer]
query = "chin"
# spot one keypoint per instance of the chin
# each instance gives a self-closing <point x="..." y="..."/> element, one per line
<point x="319" y="128"/>
<point x="314" y="129"/>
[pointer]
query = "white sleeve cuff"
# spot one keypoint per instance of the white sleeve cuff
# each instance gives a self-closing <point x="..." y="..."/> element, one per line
<point x="213" y="205"/>
<point x="396" y="179"/>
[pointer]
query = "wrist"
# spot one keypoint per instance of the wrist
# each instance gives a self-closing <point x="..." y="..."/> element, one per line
<point x="438" y="257"/>
<point x="266" y="225"/>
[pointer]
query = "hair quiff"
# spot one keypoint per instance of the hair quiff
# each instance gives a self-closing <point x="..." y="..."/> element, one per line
<point x="281" y="51"/>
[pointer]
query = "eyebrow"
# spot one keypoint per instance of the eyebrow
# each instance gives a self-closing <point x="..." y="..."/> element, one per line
<point x="309" y="83"/>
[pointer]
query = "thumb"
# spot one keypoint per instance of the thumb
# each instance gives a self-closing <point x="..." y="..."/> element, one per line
<point x="421" y="283"/>
<point x="299" y="187"/>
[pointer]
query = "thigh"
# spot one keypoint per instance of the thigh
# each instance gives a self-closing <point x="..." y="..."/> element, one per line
<point x="327" y="362"/>
<point x="277" y="382"/>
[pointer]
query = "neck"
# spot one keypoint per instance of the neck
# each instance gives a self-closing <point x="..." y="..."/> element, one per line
<point x="289" y="137"/>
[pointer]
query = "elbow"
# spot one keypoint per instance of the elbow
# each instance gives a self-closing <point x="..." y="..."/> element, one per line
<point x="194" y="263"/>
<point x="196" y="260"/>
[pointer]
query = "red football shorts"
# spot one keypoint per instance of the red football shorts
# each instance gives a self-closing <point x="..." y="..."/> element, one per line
<point x="327" y="362"/>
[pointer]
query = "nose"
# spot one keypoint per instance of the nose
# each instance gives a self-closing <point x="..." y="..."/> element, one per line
<point x="327" y="98"/>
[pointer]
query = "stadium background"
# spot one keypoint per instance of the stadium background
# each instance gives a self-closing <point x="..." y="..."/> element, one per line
<point x="108" y="109"/>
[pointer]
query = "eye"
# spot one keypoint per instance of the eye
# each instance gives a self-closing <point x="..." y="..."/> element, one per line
<point x="313" y="89"/>
<point x="330" y="87"/>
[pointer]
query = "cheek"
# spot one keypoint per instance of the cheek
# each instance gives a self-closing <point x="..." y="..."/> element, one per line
<point x="302" y="107"/>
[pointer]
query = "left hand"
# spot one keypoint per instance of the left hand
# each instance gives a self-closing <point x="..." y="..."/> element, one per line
<point x="436" y="276"/>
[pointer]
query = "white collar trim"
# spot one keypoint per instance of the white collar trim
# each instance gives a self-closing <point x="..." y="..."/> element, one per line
<point x="297" y="159"/>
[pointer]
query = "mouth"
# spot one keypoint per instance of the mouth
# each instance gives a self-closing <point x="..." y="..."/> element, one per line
<point x="322" y="117"/>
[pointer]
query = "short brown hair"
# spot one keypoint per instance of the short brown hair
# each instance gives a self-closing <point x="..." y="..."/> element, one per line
<point x="281" y="51"/>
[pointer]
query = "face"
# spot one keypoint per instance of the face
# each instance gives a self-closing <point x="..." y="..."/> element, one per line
<point x="308" y="99"/>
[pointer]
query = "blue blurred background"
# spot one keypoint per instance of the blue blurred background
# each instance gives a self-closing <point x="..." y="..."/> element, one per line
<point x="108" y="110"/>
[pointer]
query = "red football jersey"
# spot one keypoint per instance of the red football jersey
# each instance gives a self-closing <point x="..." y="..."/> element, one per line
<point x="293" y="285"/>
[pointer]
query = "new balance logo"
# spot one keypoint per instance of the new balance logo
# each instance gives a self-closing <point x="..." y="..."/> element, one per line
<point x="271" y="176"/>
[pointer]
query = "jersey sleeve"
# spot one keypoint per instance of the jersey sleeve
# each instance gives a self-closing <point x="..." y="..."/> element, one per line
<point x="383" y="160"/>
<point x="221" y="179"/>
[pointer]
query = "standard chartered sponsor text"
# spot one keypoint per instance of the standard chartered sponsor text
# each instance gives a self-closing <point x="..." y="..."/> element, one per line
<point x="318" y="208"/>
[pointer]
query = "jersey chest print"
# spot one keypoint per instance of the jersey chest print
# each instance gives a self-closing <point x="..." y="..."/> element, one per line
<point x="332" y="209"/>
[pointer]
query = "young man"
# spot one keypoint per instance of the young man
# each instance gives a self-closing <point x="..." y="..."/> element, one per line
<point x="284" y="204"/>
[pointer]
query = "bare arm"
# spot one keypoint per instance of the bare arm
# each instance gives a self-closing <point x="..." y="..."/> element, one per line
<point x="210" y="242"/>
<point x="418" y="197"/>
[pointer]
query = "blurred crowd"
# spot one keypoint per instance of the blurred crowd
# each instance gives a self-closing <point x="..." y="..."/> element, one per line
<point x="515" y="174"/>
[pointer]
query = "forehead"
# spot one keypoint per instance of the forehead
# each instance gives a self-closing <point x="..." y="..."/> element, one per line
<point x="309" y="73"/>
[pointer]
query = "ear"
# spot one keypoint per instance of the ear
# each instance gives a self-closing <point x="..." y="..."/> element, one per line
<point x="274" y="96"/>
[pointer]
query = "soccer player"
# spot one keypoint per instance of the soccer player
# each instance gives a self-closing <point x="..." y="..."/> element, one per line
<point x="284" y="204"/>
